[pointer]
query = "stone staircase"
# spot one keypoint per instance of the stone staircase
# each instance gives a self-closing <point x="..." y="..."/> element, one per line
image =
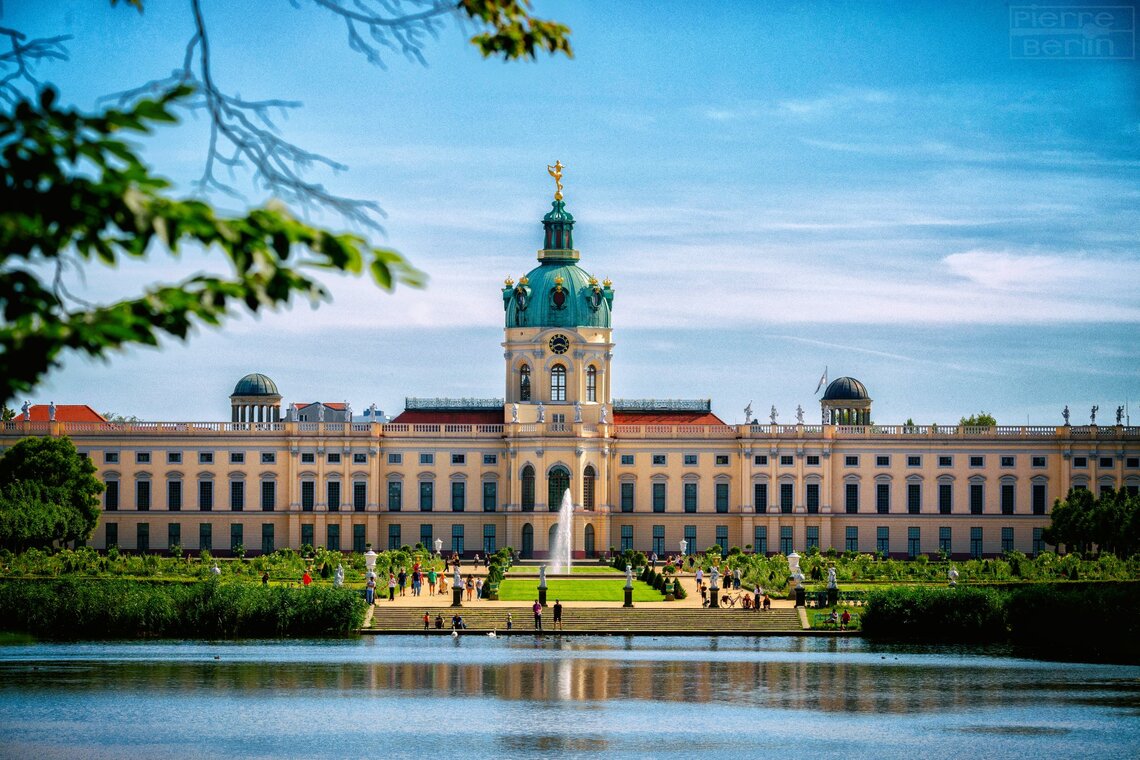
<point x="656" y="620"/>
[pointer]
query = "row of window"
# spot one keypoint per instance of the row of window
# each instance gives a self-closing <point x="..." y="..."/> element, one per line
<point x="914" y="498"/>
<point x="658" y="496"/>
<point x="236" y="457"/>
<point x="427" y="457"/>
<point x="237" y="501"/>
<point x="558" y="383"/>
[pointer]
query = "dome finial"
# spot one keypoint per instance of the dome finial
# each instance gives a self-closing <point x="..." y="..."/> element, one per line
<point x="556" y="172"/>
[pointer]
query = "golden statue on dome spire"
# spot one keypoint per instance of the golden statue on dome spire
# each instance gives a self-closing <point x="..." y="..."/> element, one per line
<point x="556" y="172"/>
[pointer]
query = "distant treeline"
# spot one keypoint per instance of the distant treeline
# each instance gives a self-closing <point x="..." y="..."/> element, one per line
<point x="82" y="608"/>
<point x="1072" y="621"/>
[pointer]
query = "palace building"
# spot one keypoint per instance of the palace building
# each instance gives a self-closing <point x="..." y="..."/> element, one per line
<point x="481" y="474"/>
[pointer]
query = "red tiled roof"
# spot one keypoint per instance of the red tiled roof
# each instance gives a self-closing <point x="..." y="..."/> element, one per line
<point x="330" y="404"/>
<point x="63" y="413"/>
<point x="666" y="418"/>
<point x="456" y="417"/>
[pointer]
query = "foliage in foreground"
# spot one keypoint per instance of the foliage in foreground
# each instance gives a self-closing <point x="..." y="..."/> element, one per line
<point x="73" y="608"/>
<point x="48" y="493"/>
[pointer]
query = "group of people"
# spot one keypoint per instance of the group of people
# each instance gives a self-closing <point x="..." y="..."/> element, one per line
<point x="398" y="580"/>
<point x="840" y="621"/>
<point x="536" y="608"/>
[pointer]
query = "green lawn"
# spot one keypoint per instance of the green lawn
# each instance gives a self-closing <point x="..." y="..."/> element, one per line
<point x="576" y="569"/>
<point x="574" y="590"/>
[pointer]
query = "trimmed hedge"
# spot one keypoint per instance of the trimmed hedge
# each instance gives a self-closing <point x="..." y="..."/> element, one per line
<point x="71" y="608"/>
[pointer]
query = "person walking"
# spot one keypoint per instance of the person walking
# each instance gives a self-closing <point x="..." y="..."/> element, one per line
<point x="478" y="588"/>
<point x="470" y="586"/>
<point x="700" y="575"/>
<point x="306" y="579"/>
<point x="403" y="580"/>
<point x="431" y="582"/>
<point x="558" y="614"/>
<point x="537" y="610"/>
<point x="391" y="586"/>
<point x="427" y="620"/>
<point x="510" y="622"/>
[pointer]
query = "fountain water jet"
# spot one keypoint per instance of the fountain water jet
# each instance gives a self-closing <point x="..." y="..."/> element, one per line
<point x="561" y="558"/>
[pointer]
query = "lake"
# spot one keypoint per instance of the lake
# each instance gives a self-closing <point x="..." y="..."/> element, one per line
<point x="471" y="697"/>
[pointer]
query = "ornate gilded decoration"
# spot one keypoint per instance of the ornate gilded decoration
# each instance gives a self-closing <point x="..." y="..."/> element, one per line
<point x="556" y="172"/>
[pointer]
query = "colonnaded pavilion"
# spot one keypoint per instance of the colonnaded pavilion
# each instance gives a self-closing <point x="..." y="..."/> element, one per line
<point x="481" y="474"/>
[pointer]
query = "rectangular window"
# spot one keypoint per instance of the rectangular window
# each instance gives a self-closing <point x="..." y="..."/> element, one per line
<point x="206" y="496"/>
<point x="976" y="542"/>
<point x="394" y="541"/>
<point x="627" y="497"/>
<point x="359" y="495"/>
<point x="914" y="461"/>
<point x="142" y="457"/>
<point x="490" y="496"/>
<point x="459" y="459"/>
<point x="760" y="497"/>
<point x="394" y="458"/>
<point x="268" y="457"/>
<point x="111" y="496"/>
<point x="945" y="498"/>
<point x="851" y="539"/>
<point x="658" y="497"/>
<point x="977" y="461"/>
<point x="812" y="537"/>
<point x="333" y="537"/>
<point x="268" y="495"/>
<point x="427" y="496"/>
<point x="308" y="495"/>
<point x="785" y="540"/>
<point x="659" y="540"/>
<point x="111" y="457"/>
<point x="722" y="497"/>
<point x="173" y="535"/>
<point x="558" y="383"/>
<point x="851" y="498"/>
<point x="977" y="498"/>
<point x="913" y="498"/>
<point x="722" y="538"/>
<point x="691" y="539"/>
<point x="236" y="535"/>
<point x="627" y="459"/>
<point x="490" y="459"/>
<point x="1007" y="539"/>
<point x="787" y="497"/>
<point x="913" y="542"/>
<point x="205" y="537"/>
<point x="142" y="495"/>
<point x="205" y="457"/>
<point x="1007" y="498"/>
<point x="690" y="460"/>
<point x="690" y="497"/>
<point x="626" y="538"/>
<point x="760" y="460"/>
<point x="268" y="545"/>
<point x="489" y="539"/>
<point x="174" y="457"/>
<point x="1106" y="462"/>
<point x="883" y="540"/>
<point x="945" y="461"/>
<point x="142" y="537"/>
<point x="426" y="458"/>
<point x="333" y="458"/>
<point x="720" y="460"/>
<point x="760" y="540"/>
<point x="426" y="536"/>
<point x="237" y="457"/>
<point x="944" y="539"/>
<point x="237" y="495"/>
<point x="813" y="460"/>
<point x="883" y="498"/>
<point x="359" y="458"/>
<point x="395" y="495"/>
<point x="882" y="461"/>
<point x="1039" y="498"/>
<point x="1007" y="461"/>
<point x="658" y="459"/>
<point x="1037" y="462"/>
<point x="786" y="460"/>
<point x="332" y="493"/>
<point x="813" y="498"/>
<point x="308" y="457"/>
<point x="174" y="495"/>
<point x="458" y="496"/>
<point x="1131" y="463"/>
<point x="850" y="461"/>
<point x="1038" y="540"/>
<point x="308" y="535"/>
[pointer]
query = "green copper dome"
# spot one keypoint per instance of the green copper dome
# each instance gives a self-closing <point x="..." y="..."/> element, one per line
<point x="558" y="292"/>
<point x="255" y="384"/>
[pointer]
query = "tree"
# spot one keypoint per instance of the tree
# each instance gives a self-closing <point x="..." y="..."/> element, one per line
<point x="48" y="493"/>
<point x="981" y="419"/>
<point x="1110" y="522"/>
<point x="74" y="193"/>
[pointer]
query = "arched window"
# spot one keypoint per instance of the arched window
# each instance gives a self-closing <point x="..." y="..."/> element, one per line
<point x="524" y="383"/>
<point x="588" y="488"/>
<point x="557" y="383"/>
<point x="588" y="543"/>
<point x="591" y="383"/>
<point x="527" y="550"/>
<point x="558" y="482"/>
<point x="552" y="539"/>
<point x="528" y="489"/>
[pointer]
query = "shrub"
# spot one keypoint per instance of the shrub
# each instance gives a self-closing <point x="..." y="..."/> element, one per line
<point x="936" y="614"/>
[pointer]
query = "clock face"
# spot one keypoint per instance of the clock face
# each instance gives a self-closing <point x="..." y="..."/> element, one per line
<point x="559" y="344"/>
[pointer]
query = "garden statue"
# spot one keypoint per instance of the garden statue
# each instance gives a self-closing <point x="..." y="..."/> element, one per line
<point x="457" y="580"/>
<point x="831" y="577"/>
<point x="338" y="579"/>
<point x="714" y="578"/>
<point x="952" y="575"/>
<point x="542" y="576"/>
<point x="629" y="576"/>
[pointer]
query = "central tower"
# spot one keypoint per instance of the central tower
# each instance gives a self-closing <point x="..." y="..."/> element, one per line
<point x="557" y="339"/>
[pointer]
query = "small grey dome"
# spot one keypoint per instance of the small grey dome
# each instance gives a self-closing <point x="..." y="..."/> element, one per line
<point x="846" y="389"/>
<point x="255" y="384"/>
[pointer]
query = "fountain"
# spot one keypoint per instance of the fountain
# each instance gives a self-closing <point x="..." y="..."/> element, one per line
<point x="561" y="558"/>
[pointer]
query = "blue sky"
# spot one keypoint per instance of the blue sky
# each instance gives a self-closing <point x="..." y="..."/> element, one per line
<point x="878" y="188"/>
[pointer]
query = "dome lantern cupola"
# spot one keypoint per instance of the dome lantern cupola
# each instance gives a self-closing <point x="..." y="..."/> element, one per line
<point x="846" y="402"/>
<point x="255" y="399"/>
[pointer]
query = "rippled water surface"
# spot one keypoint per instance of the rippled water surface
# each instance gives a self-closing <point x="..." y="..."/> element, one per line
<point x="622" y="697"/>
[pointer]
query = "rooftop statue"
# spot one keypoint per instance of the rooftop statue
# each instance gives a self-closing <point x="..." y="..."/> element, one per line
<point x="556" y="172"/>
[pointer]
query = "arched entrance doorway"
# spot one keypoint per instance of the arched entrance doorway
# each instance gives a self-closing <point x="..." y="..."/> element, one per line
<point x="527" y="549"/>
<point x="588" y="542"/>
<point x="558" y="481"/>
